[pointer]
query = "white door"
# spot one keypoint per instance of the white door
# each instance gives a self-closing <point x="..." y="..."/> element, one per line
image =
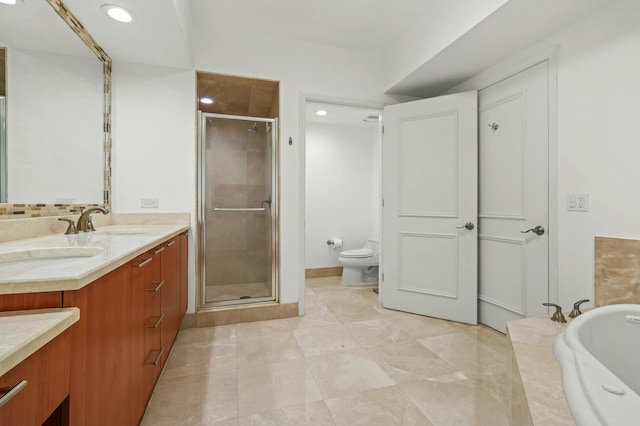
<point x="429" y="190"/>
<point x="513" y="194"/>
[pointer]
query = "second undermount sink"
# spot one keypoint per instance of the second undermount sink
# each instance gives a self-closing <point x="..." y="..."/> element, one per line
<point x="49" y="253"/>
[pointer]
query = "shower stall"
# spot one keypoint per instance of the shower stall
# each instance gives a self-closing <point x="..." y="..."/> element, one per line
<point x="237" y="185"/>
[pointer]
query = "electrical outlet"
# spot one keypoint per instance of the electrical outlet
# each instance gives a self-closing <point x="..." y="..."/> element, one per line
<point x="578" y="202"/>
<point x="149" y="203"/>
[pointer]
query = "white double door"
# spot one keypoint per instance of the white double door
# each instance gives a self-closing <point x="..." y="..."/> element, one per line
<point x="463" y="176"/>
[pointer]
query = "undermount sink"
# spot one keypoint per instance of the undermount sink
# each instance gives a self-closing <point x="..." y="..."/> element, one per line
<point x="49" y="253"/>
<point x="122" y="231"/>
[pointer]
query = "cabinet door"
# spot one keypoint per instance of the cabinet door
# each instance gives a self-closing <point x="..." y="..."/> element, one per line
<point x="170" y="293"/>
<point x="47" y="375"/>
<point x="102" y="354"/>
<point x="152" y="285"/>
<point x="184" y="274"/>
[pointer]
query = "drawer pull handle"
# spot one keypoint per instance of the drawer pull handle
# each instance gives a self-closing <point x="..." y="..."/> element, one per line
<point x="10" y="392"/>
<point x="171" y="243"/>
<point x="160" y="284"/>
<point x="144" y="262"/>
<point x="160" y="250"/>
<point x="157" y="324"/>
<point x="157" y="360"/>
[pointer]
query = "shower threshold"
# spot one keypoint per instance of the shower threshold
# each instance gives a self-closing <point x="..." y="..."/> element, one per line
<point x="244" y="291"/>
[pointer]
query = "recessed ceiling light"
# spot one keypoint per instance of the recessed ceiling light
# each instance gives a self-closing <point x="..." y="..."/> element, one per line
<point x="117" y="13"/>
<point x="8" y="1"/>
<point x="321" y="113"/>
<point x="207" y="101"/>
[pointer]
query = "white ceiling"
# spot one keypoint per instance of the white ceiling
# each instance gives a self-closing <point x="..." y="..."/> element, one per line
<point x="371" y="25"/>
<point x="160" y="33"/>
<point x="157" y="36"/>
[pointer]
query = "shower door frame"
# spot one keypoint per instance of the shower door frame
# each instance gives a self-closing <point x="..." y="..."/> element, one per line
<point x="202" y="206"/>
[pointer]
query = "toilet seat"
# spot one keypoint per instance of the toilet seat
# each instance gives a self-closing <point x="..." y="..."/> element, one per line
<point x="362" y="253"/>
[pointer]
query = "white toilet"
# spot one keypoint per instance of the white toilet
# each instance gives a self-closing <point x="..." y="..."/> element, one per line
<point x="360" y="266"/>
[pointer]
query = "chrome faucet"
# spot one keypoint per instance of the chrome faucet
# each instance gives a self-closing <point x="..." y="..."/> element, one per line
<point x="84" y="221"/>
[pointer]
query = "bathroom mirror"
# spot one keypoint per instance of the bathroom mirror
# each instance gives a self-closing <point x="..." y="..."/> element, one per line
<point x="56" y="112"/>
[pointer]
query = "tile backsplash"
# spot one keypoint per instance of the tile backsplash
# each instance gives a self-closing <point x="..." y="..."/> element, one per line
<point x="617" y="271"/>
<point x="19" y="211"/>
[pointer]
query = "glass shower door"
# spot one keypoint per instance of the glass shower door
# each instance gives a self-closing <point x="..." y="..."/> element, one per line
<point x="238" y="193"/>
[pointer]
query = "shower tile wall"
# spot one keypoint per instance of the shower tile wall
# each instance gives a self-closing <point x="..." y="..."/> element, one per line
<point x="237" y="242"/>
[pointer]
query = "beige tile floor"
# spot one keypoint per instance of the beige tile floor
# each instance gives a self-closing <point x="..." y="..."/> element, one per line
<point x="347" y="362"/>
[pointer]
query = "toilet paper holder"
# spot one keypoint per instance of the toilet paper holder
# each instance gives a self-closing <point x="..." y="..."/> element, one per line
<point x="335" y="243"/>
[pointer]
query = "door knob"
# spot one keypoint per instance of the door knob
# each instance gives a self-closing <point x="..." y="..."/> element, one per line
<point x="468" y="226"/>
<point x="538" y="230"/>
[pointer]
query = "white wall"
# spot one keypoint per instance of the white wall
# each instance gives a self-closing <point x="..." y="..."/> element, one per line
<point x="54" y="127"/>
<point x="598" y="137"/>
<point x="339" y="189"/>
<point x="301" y="68"/>
<point x="154" y="143"/>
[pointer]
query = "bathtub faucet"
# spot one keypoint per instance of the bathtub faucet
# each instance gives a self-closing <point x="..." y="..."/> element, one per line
<point x="557" y="315"/>
<point x="576" y="308"/>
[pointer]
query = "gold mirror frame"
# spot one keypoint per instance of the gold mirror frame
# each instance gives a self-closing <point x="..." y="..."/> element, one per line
<point x="19" y="211"/>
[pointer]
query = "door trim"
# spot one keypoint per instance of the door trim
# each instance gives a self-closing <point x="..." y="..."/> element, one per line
<point x="509" y="68"/>
<point x="302" y="129"/>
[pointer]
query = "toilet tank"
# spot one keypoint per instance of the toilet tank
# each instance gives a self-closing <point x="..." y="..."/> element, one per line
<point x="372" y="244"/>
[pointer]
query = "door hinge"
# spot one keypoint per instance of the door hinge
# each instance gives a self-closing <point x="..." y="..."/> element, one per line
<point x="383" y="276"/>
<point x="383" y="129"/>
<point x="383" y="202"/>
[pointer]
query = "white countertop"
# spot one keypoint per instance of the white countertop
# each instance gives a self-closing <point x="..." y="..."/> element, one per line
<point x="31" y="275"/>
<point x="22" y="333"/>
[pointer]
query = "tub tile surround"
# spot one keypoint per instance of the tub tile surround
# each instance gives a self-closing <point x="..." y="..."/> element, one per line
<point x="537" y="394"/>
<point x="22" y="333"/>
<point x="347" y="361"/>
<point x="617" y="271"/>
<point x="72" y="274"/>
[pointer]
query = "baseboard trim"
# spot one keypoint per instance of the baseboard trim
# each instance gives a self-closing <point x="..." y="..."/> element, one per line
<point x="334" y="271"/>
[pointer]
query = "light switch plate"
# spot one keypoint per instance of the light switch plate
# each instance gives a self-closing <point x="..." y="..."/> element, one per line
<point x="578" y="202"/>
<point x="149" y="203"/>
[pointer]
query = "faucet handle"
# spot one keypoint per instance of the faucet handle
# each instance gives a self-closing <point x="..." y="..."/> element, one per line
<point x="576" y="308"/>
<point x="90" y="226"/>
<point x="557" y="315"/>
<point x="71" y="229"/>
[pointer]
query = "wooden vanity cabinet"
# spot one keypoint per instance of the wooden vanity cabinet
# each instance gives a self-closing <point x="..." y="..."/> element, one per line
<point x="104" y="344"/>
<point x="47" y="375"/>
<point x="129" y="319"/>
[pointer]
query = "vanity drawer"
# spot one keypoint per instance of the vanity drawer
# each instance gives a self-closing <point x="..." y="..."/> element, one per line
<point x="46" y="373"/>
